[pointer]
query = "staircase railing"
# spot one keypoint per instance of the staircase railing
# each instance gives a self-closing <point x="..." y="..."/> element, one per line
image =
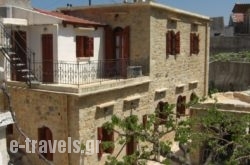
<point x="21" y="66"/>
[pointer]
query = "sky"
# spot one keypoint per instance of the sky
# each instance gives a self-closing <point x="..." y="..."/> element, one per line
<point x="211" y="8"/>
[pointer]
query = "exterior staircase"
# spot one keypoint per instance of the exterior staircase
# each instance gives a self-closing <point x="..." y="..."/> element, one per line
<point x="20" y="65"/>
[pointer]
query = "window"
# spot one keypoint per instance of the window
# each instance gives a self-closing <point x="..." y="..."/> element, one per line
<point x="172" y="43"/>
<point x="84" y="46"/>
<point x="9" y="129"/>
<point x="161" y="112"/>
<point x="45" y="134"/>
<point x="105" y="135"/>
<point x="131" y="145"/>
<point x="194" y="43"/>
<point x="181" y="106"/>
<point x="131" y="140"/>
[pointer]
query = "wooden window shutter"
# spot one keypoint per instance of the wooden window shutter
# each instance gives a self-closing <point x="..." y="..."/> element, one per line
<point x="173" y="43"/>
<point x="183" y="105"/>
<point x="109" y="137"/>
<point x="191" y="43"/>
<point x="126" y="42"/>
<point x="109" y="43"/>
<point x="168" y="43"/>
<point x="100" y="137"/>
<point x="49" y="137"/>
<point x="131" y="146"/>
<point x="88" y="46"/>
<point x="41" y="134"/>
<point x="177" y="43"/>
<point x="198" y="44"/>
<point x="179" y="106"/>
<point x="79" y="46"/>
<point x="144" y="121"/>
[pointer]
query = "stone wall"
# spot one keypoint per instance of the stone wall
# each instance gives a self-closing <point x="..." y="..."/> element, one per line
<point x="169" y="71"/>
<point x="222" y="44"/>
<point x="35" y="109"/>
<point x="229" y="76"/>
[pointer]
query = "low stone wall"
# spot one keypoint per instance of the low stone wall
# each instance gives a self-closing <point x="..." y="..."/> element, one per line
<point x="229" y="76"/>
<point x="229" y="44"/>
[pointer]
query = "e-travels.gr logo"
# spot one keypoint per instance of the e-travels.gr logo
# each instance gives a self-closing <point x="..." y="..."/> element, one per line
<point x="90" y="147"/>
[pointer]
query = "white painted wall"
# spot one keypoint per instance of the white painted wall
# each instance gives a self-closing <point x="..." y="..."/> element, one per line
<point x="33" y="17"/>
<point x="67" y="43"/>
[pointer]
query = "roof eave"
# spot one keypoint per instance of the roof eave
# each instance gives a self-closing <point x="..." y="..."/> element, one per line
<point x="64" y="22"/>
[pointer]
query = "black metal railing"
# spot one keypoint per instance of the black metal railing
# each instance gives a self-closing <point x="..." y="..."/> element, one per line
<point x="78" y="73"/>
<point x="20" y="58"/>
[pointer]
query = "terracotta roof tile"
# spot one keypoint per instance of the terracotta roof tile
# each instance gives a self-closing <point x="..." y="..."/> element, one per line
<point x="69" y="19"/>
<point x="241" y="8"/>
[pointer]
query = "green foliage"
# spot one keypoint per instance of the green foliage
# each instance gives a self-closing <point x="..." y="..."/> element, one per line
<point x="223" y="134"/>
<point x="243" y="56"/>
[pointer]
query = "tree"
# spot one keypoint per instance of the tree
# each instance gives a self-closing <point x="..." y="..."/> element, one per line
<point x="222" y="138"/>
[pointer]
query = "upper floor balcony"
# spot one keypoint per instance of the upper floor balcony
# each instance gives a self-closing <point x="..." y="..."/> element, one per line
<point x="81" y="76"/>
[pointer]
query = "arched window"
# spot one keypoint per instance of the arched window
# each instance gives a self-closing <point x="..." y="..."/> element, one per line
<point x="181" y="106"/>
<point x="45" y="134"/>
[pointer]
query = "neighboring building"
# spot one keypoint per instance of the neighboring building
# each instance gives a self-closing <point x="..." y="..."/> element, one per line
<point x="128" y="57"/>
<point x="240" y="19"/>
<point x="217" y="26"/>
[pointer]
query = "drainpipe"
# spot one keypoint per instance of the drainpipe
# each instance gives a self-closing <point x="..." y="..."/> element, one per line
<point x="206" y="75"/>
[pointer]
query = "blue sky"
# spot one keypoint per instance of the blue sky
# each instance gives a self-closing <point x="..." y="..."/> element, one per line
<point x="210" y="8"/>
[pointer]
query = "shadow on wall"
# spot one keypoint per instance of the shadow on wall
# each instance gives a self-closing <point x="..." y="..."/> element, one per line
<point x="229" y="76"/>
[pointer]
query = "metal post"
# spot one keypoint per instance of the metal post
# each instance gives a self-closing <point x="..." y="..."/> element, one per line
<point x="89" y="2"/>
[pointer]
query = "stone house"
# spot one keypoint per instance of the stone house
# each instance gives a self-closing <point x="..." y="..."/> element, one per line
<point x="146" y="54"/>
<point x="240" y="19"/>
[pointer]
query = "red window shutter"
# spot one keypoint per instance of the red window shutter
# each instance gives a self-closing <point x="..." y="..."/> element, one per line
<point x="79" y="46"/>
<point x="109" y="137"/>
<point x="88" y="46"/>
<point x="173" y="43"/>
<point x="191" y="43"/>
<point x="144" y="120"/>
<point x="41" y="134"/>
<point x="183" y="105"/>
<point x="168" y="43"/>
<point x="126" y="42"/>
<point x="109" y="43"/>
<point x="179" y="106"/>
<point x="198" y="44"/>
<point x="131" y="146"/>
<point x="100" y="137"/>
<point x="49" y="137"/>
<point x="177" y="43"/>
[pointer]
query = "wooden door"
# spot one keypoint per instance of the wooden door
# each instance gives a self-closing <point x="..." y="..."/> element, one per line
<point x="47" y="57"/>
<point x="19" y="46"/>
